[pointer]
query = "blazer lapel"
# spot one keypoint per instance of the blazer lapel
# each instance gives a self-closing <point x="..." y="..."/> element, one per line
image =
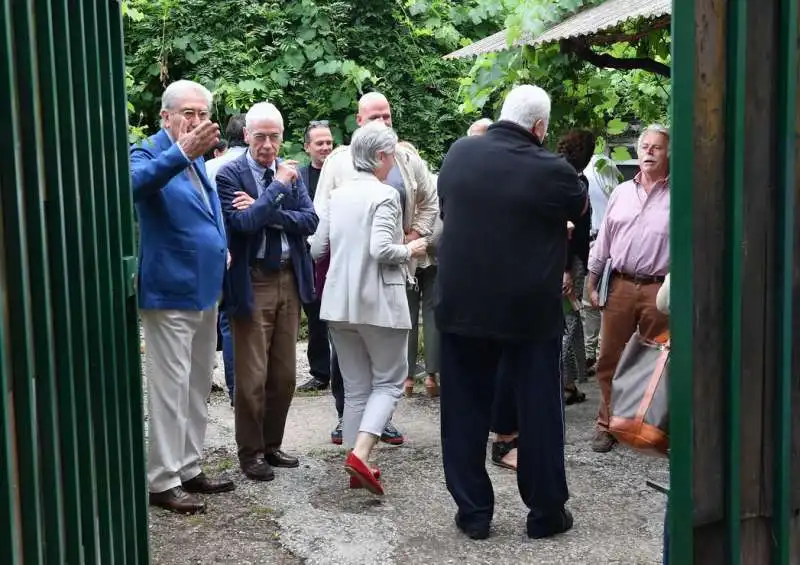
<point x="248" y="182"/>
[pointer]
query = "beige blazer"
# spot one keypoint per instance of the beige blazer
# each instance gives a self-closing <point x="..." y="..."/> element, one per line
<point x="363" y="233"/>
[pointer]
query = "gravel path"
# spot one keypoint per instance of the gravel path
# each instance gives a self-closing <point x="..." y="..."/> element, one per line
<point x="307" y="515"/>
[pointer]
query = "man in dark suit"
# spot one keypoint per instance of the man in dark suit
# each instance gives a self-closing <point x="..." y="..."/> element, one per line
<point x="269" y="215"/>
<point x="182" y="259"/>
<point x="505" y="205"/>
<point x="318" y="144"/>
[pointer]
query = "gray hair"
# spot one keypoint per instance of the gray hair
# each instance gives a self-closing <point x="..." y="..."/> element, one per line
<point x="178" y="89"/>
<point x="368" y="141"/>
<point x="525" y="105"/>
<point x="653" y="128"/>
<point x="263" y="111"/>
<point x="481" y="124"/>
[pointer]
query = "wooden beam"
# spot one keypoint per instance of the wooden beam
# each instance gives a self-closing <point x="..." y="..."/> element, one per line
<point x="584" y="51"/>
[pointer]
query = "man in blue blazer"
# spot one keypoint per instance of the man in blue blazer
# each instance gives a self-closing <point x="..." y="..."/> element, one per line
<point x="182" y="261"/>
<point x="269" y="215"/>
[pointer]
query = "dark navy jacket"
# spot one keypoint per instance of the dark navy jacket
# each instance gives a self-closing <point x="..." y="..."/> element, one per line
<point x="182" y="243"/>
<point x="294" y="212"/>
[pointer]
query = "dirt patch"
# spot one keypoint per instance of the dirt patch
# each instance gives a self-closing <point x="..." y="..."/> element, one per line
<point x="235" y="530"/>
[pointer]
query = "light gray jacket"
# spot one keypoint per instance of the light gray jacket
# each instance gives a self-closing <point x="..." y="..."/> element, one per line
<point x="362" y="229"/>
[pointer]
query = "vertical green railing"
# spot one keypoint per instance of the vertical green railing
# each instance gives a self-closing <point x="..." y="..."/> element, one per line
<point x="72" y="479"/>
<point x="734" y="425"/>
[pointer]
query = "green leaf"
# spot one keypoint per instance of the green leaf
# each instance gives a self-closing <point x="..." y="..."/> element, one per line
<point x="350" y="123"/>
<point x="252" y="85"/>
<point x="181" y="42"/>
<point x="280" y="77"/>
<point x="193" y="56"/>
<point x="307" y="33"/>
<point x="621" y="153"/>
<point x="314" y="51"/>
<point x="616" y="127"/>
<point x="294" y="58"/>
<point x="340" y="100"/>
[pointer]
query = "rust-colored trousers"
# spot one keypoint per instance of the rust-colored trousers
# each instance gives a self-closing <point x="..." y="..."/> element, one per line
<point x="265" y="359"/>
<point x="629" y="306"/>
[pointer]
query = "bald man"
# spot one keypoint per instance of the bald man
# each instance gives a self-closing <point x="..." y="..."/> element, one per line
<point x="479" y="127"/>
<point x="420" y="206"/>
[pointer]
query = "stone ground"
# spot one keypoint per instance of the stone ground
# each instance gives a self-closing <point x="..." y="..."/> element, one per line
<point x="307" y="515"/>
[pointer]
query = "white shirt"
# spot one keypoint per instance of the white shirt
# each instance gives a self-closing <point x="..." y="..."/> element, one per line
<point x="214" y="165"/>
<point x="601" y="184"/>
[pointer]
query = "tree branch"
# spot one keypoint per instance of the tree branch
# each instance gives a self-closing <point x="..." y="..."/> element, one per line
<point x="583" y="51"/>
<point x="610" y="38"/>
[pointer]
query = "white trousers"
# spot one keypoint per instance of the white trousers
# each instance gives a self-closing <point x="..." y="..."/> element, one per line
<point x="374" y="364"/>
<point x="179" y="354"/>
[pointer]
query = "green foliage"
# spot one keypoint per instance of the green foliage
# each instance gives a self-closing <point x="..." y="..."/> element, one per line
<point x="604" y="100"/>
<point x="311" y="58"/>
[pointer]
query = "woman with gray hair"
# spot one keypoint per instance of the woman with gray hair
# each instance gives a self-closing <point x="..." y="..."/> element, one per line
<point x="364" y="298"/>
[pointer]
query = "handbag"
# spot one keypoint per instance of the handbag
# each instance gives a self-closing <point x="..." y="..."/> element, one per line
<point x="639" y="396"/>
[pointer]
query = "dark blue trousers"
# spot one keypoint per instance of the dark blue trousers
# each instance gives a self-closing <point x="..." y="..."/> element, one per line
<point x="337" y="384"/>
<point x="470" y="369"/>
<point x="319" y="350"/>
<point x="227" y="351"/>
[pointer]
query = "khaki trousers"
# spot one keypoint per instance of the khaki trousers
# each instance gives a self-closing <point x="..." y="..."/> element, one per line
<point x="630" y="306"/>
<point x="265" y="359"/>
<point x="179" y="354"/>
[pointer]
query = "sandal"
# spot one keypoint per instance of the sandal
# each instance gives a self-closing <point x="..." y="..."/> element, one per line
<point x="431" y="386"/>
<point x="499" y="451"/>
<point x="408" y="387"/>
<point x="573" y="396"/>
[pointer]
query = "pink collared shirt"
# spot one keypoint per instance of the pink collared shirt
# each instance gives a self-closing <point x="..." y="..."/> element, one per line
<point x="635" y="231"/>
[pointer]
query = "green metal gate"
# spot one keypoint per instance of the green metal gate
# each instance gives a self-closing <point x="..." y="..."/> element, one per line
<point x="735" y="373"/>
<point x="72" y="477"/>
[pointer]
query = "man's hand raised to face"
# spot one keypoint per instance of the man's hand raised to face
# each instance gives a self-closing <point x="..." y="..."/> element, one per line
<point x="286" y="172"/>
<point x="197" y="142"/>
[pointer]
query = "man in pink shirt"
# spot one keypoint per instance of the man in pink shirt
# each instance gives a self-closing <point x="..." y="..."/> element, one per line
<point x="634" y="236"/>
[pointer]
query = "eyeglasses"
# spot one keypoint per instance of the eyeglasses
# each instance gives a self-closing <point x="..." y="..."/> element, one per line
<point x="273" y="137"/>
<point x="318" y="124"/>
<point x="190" y="114"/>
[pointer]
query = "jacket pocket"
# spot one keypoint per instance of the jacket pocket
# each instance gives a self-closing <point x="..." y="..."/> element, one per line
<point x="174" y="271"/>
<point x="392" y="275"/>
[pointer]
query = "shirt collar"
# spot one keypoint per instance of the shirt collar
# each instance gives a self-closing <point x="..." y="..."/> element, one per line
<point x="663" y="182"/>
<point x="256" y="166"/>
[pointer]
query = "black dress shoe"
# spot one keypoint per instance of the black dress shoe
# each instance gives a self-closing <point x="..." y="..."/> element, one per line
<point x="313" y="385"/>
<point x="257" y="470"/>
<point x="280" y="459"/>
<point x="178" y="500"/>
<point x="472" y="531"/>
<point x="201" y="484"/>
<point x="552" y="525"/>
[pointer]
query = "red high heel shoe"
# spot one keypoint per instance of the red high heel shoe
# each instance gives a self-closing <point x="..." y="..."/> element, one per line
<point x="357" y="469"/>
<point x="355" y="483"/>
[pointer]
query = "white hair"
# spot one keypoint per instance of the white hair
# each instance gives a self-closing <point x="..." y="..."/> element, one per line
<point x="263" y="111"/>
<point x="525" y="105"/>
<point x="368" y="141"/>
<point x="653" y="128"/>
<point x="483" y="123"/>
<point x="178" y="89"/>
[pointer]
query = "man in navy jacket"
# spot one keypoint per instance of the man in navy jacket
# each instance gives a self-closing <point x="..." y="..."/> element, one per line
<point x="182" y="260"/>
<point x="269" y="215"/>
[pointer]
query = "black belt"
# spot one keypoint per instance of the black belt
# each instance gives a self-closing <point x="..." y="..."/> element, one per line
<point x="263" y="266"/>
<point x="639" y="279"/>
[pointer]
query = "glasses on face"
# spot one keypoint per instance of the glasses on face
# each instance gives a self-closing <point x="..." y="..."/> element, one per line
<point x="190" y="114"/>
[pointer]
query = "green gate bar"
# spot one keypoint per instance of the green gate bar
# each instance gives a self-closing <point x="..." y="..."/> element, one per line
<point x="735" y="386"/>
<point x="72" y="480"/>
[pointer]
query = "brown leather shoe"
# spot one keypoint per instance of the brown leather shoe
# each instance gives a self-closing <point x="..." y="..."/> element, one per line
<point x="201" y="484"/>
<point x="281" y="459"/>
<point x="603" y="441"/>
<point x="257" y="470"/>
<point x="178" y="500"/>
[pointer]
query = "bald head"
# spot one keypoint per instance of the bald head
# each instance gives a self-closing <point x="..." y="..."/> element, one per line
<point x="374" y="106"/>
<point x="479" y="127"/>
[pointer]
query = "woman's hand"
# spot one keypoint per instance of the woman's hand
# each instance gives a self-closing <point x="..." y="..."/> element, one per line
<point x="567" y="286"/>
<point x="418" y="247"/>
